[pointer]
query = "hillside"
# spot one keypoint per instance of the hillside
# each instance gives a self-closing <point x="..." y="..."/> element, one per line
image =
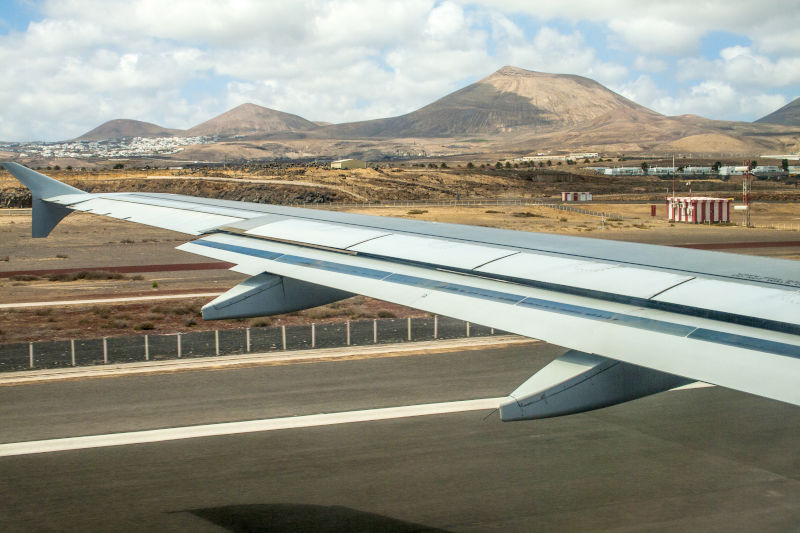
<point x="251" y="119"/>
<point x="509" y="98"/>
<point x="511" y="110"/>
<point x="121" y="128"/>
<point x="788" y="115"/>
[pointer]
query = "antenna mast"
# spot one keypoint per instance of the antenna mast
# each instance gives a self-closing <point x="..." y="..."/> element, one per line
<point x="747" y="182"/>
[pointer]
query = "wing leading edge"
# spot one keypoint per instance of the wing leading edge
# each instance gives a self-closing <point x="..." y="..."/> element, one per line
<point x="636" y="322"/>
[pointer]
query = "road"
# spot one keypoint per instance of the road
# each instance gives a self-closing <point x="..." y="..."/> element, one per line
<point x="701" y="459"/>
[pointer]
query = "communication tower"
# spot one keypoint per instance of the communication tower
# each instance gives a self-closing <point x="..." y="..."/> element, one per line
<point x="747" y="185"/>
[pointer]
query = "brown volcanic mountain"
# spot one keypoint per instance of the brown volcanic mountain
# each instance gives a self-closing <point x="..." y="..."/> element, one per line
<point x="251" y="119"/>
<point x="121" y="128"/>
<point x="511" y="109"/>
<point x="510" y="98"/>
<point x="788" y="115"/>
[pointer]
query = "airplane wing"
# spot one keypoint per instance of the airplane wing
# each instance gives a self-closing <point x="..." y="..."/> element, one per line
<point x="638" y="319"/>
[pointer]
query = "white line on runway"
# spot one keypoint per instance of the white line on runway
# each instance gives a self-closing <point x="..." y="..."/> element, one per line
<point x="109" y="300"/>
<point x="250" y="426"/>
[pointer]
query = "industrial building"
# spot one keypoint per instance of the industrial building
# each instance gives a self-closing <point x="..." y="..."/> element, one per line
<point x="623" y="171"/>
<point x="698" y="209"/>
<point x="349" y="163"/>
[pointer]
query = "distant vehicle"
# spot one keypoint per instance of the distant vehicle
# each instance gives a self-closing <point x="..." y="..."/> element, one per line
<point x="637" y="319"/>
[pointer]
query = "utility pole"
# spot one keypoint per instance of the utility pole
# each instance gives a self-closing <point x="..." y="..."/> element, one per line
<point x="747" y="184"/>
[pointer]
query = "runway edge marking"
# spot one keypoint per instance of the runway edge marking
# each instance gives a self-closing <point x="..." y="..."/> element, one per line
<point x="250" y="426"/>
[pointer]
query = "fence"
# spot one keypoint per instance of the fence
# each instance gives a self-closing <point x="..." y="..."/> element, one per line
<point x="109" y="350"/>
<point x="468" y="203"/>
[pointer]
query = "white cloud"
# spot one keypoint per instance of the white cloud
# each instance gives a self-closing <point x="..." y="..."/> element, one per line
<point x="178" y="63"/>
<point x="643" y="90"/>
<point x="719" y="99"/>
<point x="655" y="35"/>
<point x="772" y="27"/>
<point x="552" y="51"/>
<point x="741" y="66"/>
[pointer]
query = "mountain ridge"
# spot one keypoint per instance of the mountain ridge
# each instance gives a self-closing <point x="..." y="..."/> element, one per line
<point x="788" y="115"/>
<point x="121" y="128"/>
<point x="512" y="106"/>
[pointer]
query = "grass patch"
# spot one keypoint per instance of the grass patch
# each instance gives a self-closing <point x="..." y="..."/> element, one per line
<point x="493" y="212"/>
<point x="321" y="313"/>
<point x="24" y="277"/>
<point x="527" y="214"/>
<point x="102" y="312"/>
<point x="177" y="310"/>
<point x="89" y="275"/>
<point x="417" y="212"/>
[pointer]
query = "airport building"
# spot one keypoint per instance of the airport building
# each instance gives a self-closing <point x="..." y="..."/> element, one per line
<point x="699" y="210"/>
<point x="349" y="163"/>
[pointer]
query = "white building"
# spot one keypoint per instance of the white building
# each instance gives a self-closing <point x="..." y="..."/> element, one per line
<point x="624" y="171"/>
<point x="576" y="197"/>
<point x="349" y="163"/>
<point x="698" y="210"/>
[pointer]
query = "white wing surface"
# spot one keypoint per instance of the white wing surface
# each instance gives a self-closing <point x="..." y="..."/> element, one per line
<point x="638" y="318"/>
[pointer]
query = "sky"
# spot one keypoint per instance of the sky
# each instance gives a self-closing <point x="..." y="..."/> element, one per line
<point x="70" y="65"/>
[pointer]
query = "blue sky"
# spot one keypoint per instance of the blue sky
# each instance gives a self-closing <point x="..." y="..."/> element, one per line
<point x="70" y="65"/>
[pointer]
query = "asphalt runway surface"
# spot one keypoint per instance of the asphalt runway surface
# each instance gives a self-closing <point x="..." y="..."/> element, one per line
<point x="696" y="460"/>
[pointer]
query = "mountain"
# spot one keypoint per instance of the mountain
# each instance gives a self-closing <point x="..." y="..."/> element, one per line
<point x="250" y="119"/>
<point x="510" y="98"/>
<point x="788" y="115"/>
<point x="119" y="128"/>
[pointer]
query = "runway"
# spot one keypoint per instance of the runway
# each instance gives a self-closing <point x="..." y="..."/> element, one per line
<point x="700" y="459"/>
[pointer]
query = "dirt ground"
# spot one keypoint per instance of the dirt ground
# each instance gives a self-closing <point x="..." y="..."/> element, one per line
<point x="94" y="243"/>
<point x="391" y="183"/>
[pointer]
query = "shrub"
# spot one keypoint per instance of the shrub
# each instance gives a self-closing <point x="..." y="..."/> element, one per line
<point x="417" y="212"/>
<point x="145" y="326"/>
<point x="383" y="313"/>
<point x="24" y="277"/>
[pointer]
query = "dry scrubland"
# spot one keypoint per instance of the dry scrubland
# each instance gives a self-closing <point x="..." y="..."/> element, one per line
<point x="91" y="243"/>
<point x="314" y="185"/>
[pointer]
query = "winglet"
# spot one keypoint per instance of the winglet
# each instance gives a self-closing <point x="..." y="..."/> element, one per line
<point x="45" y="215"/>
